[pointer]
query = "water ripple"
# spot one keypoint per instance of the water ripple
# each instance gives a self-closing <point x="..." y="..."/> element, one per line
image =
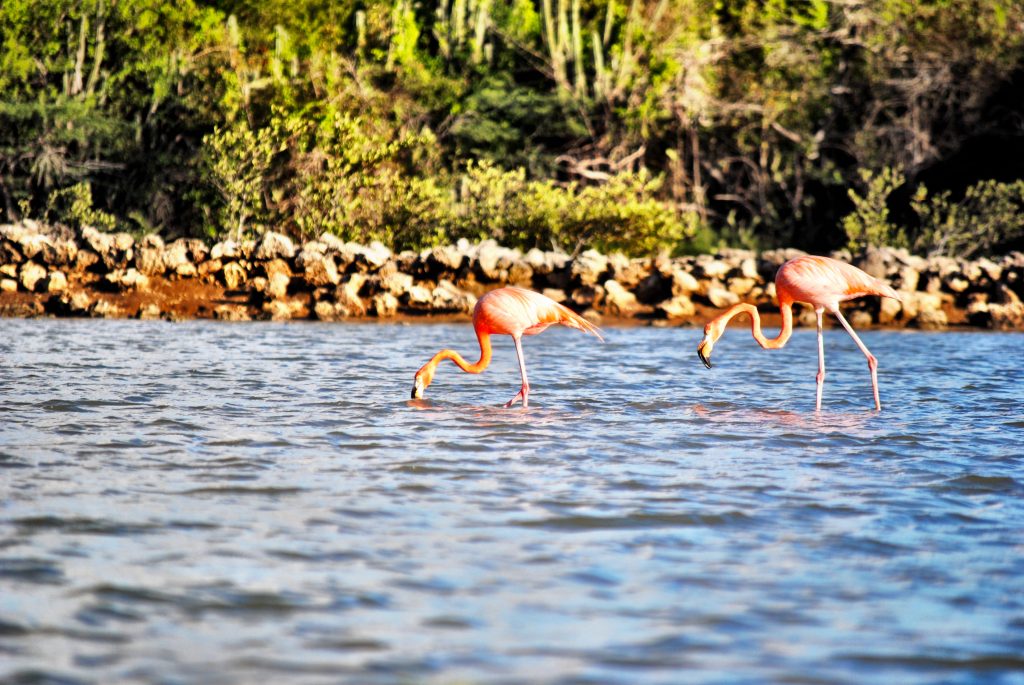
<point x="216" y="503"/>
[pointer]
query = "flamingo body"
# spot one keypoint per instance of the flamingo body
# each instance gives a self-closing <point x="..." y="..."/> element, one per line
<point x="517" y="312"/>
<point x="506" y="311"/>
<point x="821" y="282"/>
<point x="825" y="282"/>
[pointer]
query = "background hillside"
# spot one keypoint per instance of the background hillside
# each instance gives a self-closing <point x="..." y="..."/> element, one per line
<point x="675" y="125"/>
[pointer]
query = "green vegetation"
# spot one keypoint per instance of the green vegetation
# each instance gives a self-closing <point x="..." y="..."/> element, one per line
<point x="869" y="223"/>
<point x="639" y="125"/>
<point x="989" y="213"/>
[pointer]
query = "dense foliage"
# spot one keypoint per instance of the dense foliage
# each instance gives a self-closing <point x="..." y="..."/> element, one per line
<point x="638" y="125"/>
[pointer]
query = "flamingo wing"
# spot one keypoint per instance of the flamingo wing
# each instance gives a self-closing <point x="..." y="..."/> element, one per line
<point x="827" y="282"/>
<point x="517" y="311"/>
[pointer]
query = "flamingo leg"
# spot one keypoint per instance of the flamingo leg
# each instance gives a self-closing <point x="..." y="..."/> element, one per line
<point x="872" y="361"/>
<point x="524" y="391"/>
<point x="820" y="378"/>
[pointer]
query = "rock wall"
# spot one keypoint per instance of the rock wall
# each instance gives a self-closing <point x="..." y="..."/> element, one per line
<point x="53" y="271"/>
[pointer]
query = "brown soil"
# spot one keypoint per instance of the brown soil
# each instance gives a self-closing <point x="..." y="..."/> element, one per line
<point x="194" y="298"/>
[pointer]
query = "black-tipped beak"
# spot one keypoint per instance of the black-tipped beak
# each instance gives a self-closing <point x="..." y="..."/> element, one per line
<point x="414" y="393"/>
<point x="700" y="353"/>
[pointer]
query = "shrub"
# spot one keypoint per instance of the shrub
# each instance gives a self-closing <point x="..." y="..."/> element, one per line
<point x="357" y="180"/>
<point x="237" y="160"/>
<point x="989" y="214"/>
<point x="619" y="215"/>
<point x="363" y="180"/>
<point x="868" y="224"/>
<point x="73" y="206"/>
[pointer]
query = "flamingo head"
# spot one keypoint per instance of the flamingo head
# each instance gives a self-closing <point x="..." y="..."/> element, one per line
<point x="711" y="335"/>
<point x="423" y="379"/>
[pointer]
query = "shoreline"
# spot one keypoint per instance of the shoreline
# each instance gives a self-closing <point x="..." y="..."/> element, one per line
<point x="54" y="271"/>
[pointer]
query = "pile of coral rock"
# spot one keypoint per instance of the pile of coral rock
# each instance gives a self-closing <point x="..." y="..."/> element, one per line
<point x="54" y="271"/>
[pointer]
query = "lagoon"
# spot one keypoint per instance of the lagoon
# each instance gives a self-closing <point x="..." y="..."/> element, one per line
<point x="207" y="502"/>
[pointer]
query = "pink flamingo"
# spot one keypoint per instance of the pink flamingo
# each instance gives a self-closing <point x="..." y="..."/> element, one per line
<point x="506" y="311"/>
<point x="821" y="282"/>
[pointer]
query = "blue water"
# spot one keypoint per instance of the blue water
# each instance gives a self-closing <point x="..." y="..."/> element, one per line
<point x="238" y="503"/>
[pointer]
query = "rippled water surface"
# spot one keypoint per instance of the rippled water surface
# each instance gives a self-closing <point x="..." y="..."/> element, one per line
<point x="241" y="503"/>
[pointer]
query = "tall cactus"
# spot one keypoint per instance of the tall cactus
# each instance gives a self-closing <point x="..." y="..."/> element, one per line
<point x="482" y="21"/>
<point x="613" y="65"/>
<point x="462" y="23"/>
<point x="556" y="55"/>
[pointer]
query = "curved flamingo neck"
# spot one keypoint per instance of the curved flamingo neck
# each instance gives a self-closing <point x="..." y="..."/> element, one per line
<point x="477" y="367"/>
<point x="755" y="323"/>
